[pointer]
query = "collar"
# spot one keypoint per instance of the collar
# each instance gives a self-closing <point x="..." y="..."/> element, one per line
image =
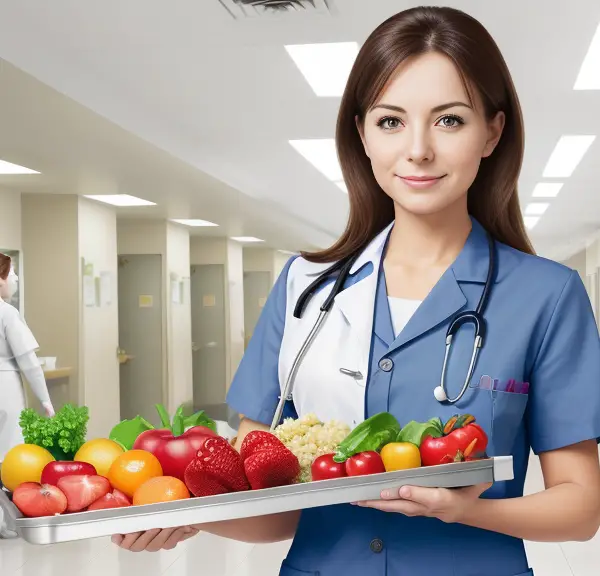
<point x="471" y="265"/>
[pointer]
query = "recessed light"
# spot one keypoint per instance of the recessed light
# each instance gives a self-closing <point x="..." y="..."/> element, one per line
<point x="193" y="222"/>
<point x="547" y="189"/>
<point x="342" y="186"/>
<point x="531" y="221"/>
<point x="326" y="66"/>
<point x="121" y="200"/>
<point x="536" y="208"/>
<point x="589" y="73"/>
<point x="321" y="153"/>
<point x="9" y="168"/>
<point x="566" y="156"/>
<point x="246" y="239"/>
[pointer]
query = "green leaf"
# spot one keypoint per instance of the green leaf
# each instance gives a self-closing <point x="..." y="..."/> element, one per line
<point x="414" y="432"/>
<point x="164" y="416"/>
<point x="200" y="418"/>
<point x="126" y="432"/>
<point x="178" y="427"/>
<point x="370" y="435"/>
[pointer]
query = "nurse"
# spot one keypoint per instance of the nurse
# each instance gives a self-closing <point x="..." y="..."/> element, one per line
<point x="17" y="356"/>
<point x="430" y="140"/>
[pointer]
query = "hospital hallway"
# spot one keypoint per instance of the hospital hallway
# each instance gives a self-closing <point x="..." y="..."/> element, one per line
<point x="213" y="556"/>
<point x="175" y="180"/>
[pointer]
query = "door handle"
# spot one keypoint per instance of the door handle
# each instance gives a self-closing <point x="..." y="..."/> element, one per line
<point x="123" y="357"/>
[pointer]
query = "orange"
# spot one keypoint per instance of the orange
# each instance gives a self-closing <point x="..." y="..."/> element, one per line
<point x="24" y="463"/>
<point x="131" y="469"/>
<point x="160" y="489"/>
<point x="100" y="453"/>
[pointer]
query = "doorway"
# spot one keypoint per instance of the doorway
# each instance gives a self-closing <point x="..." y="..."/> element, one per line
<point x="208" y="334"/>
<point x="141" y="335"/>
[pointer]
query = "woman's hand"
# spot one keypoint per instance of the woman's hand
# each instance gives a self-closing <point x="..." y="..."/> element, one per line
<point x="154" y="540"/>
<point x="48" y="409"/>
<point x="442" y="503"/>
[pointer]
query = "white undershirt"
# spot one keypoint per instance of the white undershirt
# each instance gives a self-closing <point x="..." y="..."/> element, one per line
<point x="401" y="311"/>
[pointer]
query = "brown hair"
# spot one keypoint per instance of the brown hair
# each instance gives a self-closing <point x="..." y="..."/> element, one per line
<point x="5" y="262"/>
<point x="492" y="198"/>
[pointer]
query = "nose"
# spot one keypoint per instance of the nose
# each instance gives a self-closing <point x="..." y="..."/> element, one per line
<point x="419" y="146"/>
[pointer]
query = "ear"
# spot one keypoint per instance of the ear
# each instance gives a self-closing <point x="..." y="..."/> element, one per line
<point x="495" y="129"/>
<point x="361" y="131"/>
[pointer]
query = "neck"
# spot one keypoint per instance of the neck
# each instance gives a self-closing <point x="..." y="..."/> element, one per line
<point x="428" y="241"/>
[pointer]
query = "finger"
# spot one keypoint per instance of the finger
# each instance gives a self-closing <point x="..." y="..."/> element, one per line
<point x="117" y="539"/>
<point x="176" y="537"/>
<point x="142" y="542"/>
<point x="157" y="543"/>
<point x="428" y="497"/>
<point x="397" y="506"/>
<point x="127" y="540"/>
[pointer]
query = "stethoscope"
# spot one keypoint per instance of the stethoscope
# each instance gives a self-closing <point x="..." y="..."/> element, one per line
<point x="342" y="270"/>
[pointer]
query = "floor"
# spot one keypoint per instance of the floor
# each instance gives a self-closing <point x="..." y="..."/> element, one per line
<point x="209" y="555"/>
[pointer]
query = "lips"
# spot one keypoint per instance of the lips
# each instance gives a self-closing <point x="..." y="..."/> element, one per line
<point x="421" y="178"/>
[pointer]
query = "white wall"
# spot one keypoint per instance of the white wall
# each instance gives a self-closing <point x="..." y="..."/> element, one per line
<point x="10" y="209"/>
<point x="99" y="326"/>
<point x="179" y="319"/>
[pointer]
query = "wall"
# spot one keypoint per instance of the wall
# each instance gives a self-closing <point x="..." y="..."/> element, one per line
<point x="578" y="262"/>
<point x="51" y="277"/>
<point x="179" y="319"/>
<point x="99" y="326"/>
<point x="10" y="209"/>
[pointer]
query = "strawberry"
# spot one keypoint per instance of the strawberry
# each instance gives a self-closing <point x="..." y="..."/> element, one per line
<point x="258" y="440"/>
<point x="114" y="499"/>
<point x="81" y="491"/>
<point x="267" y="461"/>
<point x="216" y="469"/>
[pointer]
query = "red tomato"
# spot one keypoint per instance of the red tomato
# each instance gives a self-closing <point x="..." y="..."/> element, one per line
<point x="174" y="452"/>
<point x="114" y="499"/>
<point x="81" y="491"/>
<point x="54" y="471"/>
<point x="364" y="463"/>
<point x="459" y="445"/>
<point x="324" y="468"/>
<point x="35" y="500"/>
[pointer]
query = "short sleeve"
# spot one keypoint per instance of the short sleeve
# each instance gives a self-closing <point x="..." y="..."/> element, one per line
<point x="255" y="389"/>
<point x="20" y="339"/>
<point x="564" y="400"/>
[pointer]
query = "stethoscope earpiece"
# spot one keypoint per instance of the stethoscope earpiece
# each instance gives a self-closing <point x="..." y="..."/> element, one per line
<point x="439" y="394"/>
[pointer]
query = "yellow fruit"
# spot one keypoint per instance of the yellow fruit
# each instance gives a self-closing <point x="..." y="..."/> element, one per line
<point x="24" y="463"/>
<point x="100" y="453"/>
<point x="400" y="456"/>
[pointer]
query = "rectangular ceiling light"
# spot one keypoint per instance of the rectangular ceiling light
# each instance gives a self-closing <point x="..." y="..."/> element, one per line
<point x="246" y="239"/>
<point x="566" y="156"/>
<point x="194" y="223"/>
<point x="536" y="208"/>
<point x="589" y="73"/>
<point x="321" y="153"/>
<point x="8" y="168"/>
<point x="326" y="66"/>
<point x="531" y="221"/>
<point x="547" y="189"/>
<point x="121" y="200"/>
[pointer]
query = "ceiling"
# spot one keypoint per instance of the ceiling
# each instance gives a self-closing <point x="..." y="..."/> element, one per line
<point x="184" y="105"/>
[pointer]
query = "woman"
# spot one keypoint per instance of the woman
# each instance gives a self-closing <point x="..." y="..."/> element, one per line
<point x="17" y="355"/>
<point x="430" y="140"/>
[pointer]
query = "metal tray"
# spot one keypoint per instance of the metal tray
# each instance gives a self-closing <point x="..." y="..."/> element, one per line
<point x="84" y="525"/>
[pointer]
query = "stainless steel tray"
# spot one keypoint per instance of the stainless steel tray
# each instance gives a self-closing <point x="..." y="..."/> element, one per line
<point x="84" y="525"/>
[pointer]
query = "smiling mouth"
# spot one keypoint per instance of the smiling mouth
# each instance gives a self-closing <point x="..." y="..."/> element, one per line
<point x="421" y="178"/>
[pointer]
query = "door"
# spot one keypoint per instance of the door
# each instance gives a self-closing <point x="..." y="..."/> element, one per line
<point x="140" y="335"/>
<point x="257" y="286"/>
<point x="208" y="334"/>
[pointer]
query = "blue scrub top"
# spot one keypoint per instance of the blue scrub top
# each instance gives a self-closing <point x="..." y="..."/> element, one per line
<point x="541" y="330"/>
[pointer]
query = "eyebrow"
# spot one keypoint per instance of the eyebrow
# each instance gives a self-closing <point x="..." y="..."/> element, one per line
<point x="439" y="108"/>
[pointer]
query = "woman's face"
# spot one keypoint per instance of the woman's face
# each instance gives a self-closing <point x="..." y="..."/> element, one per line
<point x="9" y="287"/>
<point x="424" y="139"/>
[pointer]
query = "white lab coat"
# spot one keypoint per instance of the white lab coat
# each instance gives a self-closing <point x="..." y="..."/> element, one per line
<point x="16" y="340"/>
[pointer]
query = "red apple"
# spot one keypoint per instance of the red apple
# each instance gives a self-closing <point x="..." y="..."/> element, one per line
<point x="35" y="500"/>
<point x="54" y="471"/>
<point x="174" y="452"/>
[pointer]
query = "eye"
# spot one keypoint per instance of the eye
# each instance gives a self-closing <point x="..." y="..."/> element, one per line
<point x="450" y="121"/>
<point x="389" y="123"/>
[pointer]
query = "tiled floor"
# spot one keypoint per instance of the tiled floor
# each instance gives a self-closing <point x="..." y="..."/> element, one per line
<point x="212" y="556"/>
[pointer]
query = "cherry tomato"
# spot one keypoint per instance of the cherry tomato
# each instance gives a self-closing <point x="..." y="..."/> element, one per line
<point x="364" y="463"/>
<point x="324" y="468"/>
